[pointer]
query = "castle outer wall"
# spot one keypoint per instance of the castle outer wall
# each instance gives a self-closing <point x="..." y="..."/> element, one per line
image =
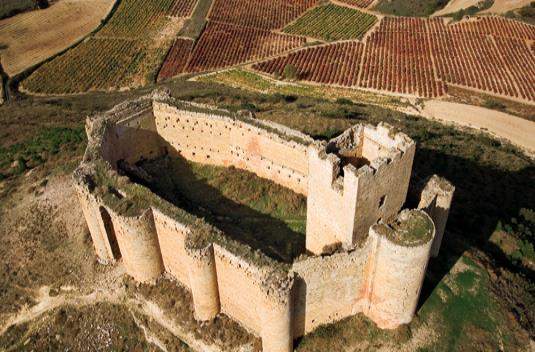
<point x="279" y="303"/>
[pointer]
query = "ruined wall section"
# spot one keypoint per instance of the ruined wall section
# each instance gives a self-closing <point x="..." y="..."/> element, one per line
<point x="327" y="288"/>
<point x="435" y="200"/>
<point x="133" y="136"/>
<point x="210" y="138"/>
<point x="95" y="223"/>
<point x="382" y="186"/>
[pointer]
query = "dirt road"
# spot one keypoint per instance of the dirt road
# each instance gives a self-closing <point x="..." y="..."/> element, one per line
<point x="512" y="128"/>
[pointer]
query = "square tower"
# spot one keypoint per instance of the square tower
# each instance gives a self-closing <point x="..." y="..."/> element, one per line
<point x="355" y="180"/>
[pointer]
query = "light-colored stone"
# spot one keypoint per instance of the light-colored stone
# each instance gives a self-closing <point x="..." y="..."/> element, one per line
<point x="352" y="183"/>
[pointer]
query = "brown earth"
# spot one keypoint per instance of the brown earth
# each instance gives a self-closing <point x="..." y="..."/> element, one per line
<point x="499" y="6"/>
<point x="31" y="37"/>
<point x="514" y="129"/>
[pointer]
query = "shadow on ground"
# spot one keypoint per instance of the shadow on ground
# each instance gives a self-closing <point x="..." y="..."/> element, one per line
<point x="173" y="179"/>
<point x="483" y="197"/>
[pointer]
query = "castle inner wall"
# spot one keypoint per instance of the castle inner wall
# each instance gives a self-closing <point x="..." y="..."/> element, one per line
<point x="222" y="141"/>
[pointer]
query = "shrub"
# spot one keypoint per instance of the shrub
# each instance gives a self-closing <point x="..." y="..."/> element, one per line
<point x="290" y="72"/>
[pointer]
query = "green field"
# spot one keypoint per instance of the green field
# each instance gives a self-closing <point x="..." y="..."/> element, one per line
<point x="125" y="53"/>
<point x="417" y="8"/>
<point x="331" y="22"/>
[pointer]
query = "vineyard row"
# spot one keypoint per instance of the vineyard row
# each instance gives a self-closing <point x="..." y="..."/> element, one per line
<point x="400" y="58"/>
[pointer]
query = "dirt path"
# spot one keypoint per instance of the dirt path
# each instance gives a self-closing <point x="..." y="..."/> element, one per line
<point x="514" y="129"/>
<point x="454" y="6"/>
<point x="114" y="294"/>
<point x="499" y="6"/>
<point x="502" y="6"/>
<point x="32" y="37"/>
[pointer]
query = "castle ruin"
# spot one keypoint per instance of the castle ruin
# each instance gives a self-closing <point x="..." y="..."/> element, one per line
<point x="365" y="254"/>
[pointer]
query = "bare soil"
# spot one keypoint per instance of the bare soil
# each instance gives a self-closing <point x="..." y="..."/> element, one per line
<point x="514" y="129"/>
<point x="31" y="37"/>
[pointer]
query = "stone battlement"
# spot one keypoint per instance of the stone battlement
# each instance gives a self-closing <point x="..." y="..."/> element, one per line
<point x="365" y="254"/>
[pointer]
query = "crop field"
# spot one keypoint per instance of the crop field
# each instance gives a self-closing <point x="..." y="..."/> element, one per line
<point x="421" y="57"/>
<point x="273" y="14"/>
<point x="338" y="63"/>
<point x="182" y="8"/>
<point x="126" y="52"/>
<point x="331" y="22"/>
<point x="32" y="37"/>
<point x="86" y="68"/>
<point x="400" y="62"/>
<point x="176" y="59"/>
<point x="137" y="18"/>
<point x="224" y="45"/>
<point x="497" y="27"/>
<point x="358" y="3"/>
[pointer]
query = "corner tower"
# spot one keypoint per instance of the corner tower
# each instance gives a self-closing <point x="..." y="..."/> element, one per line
<point x="355" y="180"/>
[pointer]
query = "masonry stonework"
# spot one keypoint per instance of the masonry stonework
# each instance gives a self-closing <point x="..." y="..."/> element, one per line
<point x="365" y="254"/>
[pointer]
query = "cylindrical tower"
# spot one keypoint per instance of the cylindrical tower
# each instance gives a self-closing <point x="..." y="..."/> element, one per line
<point x="399" y="260"/>
<point x="203" y="282"/>
<point x="276" y="318"/>
<point x="139" y="246"/>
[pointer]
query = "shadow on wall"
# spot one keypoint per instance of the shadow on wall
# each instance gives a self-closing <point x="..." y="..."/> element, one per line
<point x="172" y="178"/>
<point x="110" y="233"/>
<point x="483" y="196"/>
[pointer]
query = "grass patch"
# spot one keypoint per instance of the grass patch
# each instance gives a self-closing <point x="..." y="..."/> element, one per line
<point x="464" y="309"/>
<point x="524" y="14"/>
<point x="410" y="8"/>
<point x="19" y="157"/>
<point x="254" y="82"/>
<point x="472" y="10"/>
<point x="195" y="25"/>
<point x="248" y="208"/>
<point x="332" y="22"/>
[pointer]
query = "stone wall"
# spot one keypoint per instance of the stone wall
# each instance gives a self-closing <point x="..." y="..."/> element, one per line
<point x="435" y="200"/>
<point x="209" y="138"/>
<point x="327" y="288"/>
<point x="171" y="237"/>
<point x="356" y="183"/>
<point x="356" y="180"/>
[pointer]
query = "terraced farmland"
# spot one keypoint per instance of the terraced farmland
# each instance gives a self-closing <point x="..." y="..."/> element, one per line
<point x="126" y="52"/>
<point x="332" y="22"/>
<point x="272" y="14"/>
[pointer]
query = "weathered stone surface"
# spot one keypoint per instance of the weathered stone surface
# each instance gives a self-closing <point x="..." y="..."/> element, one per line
<point x="369" y="257"/>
